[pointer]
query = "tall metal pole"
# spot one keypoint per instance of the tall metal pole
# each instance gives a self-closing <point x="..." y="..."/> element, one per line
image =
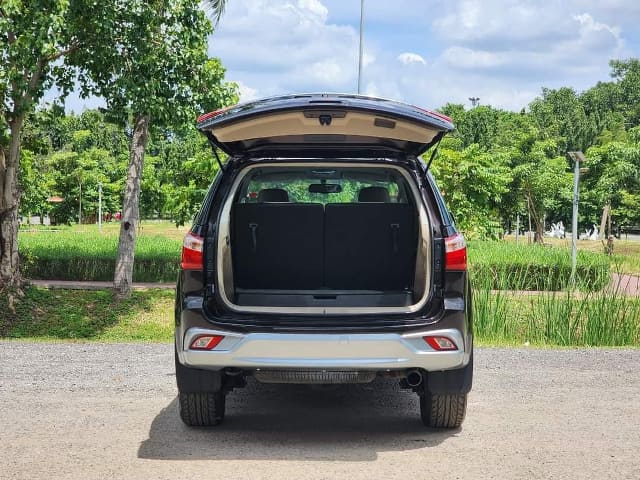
<point x="80" y="205"/>
<point x="99" y="206"/>
<point x="577" y="157"/>
<point x="361" y="46"/>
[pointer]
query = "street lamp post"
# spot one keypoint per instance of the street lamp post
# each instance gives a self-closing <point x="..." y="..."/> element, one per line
<point x="99" y="206"/>
<point x="360" y="53"/>
<point x="577" y="158"/>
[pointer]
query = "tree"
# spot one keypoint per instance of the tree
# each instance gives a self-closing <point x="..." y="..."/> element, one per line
<point x="561" y="117"/>
<point x="34" y="37"/>
<point x="152" y="70"/>
<point x="627" y="74"/>
<point x="473" y="182"/>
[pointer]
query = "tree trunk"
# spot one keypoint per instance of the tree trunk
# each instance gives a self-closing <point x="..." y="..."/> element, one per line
<point x="130" y="210"/>
<point x="606" y="212"/>
<point x="538" y="236"/>
<point x="9" y="203"/>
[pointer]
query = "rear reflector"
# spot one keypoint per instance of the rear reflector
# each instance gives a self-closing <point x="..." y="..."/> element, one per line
<point x="192" y="252"/>
<point x="206" y="342"/>
<point x="455" y="253"/>
<point x="441" y="344"/>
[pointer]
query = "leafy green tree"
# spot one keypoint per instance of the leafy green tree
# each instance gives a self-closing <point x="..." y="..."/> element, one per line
<point x="473" y="182"/>
<point x="613" y="178"/>
<point x="541" y="179"/>
<point x="34" y="37"/>
<point x="627" y="75"/>
<point x="561" y="117"/>
<point x="149" y="61"/>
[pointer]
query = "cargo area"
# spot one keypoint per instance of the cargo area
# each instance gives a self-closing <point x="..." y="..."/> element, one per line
<point x="330" y="238"/>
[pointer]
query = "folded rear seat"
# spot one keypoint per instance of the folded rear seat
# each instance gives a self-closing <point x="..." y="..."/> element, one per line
<point x="278" y="245"/>
<point x="369" y="246"/>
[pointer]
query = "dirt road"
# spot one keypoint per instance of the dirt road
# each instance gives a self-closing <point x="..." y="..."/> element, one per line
<point x="100" y="411"/>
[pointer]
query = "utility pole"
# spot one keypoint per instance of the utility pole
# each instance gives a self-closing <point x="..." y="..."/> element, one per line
<point x="100" y="206"/>
<point x="577" y="157"/>
<point x="361" y="44"/>
<point x="475" y="101"/>
<point x="80" y="204"/>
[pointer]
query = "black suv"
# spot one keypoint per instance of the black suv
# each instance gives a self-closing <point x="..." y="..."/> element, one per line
<point x="323" y="254"/>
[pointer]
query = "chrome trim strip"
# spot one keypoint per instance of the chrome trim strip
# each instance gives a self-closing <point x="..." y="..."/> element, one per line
<point x="364" y="351"/>
<point x="223" y="260"/>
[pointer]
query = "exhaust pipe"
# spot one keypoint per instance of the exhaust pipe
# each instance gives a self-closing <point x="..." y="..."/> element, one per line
<point x="414" y="378"/>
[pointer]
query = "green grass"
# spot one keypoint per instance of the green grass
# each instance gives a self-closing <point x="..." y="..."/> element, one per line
<point x="509" y="266"/>
<point x="626" y="258"/>
<point x="74" y="254"/>
<point x="88" y="315"/>
<point x="557" y="318"/>
<point x="500" y="318"/>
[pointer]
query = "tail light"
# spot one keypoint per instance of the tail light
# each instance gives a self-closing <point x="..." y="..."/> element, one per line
<point x="455" y="253"/>
<point x="205" y="342"/>
<point x="440" y="343"/>
<point x="192" y="252"/>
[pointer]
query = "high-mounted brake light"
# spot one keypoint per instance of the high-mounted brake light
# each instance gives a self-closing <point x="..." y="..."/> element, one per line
<point x="439" y="115"/>
<point x="215" y="113"/>
<point x="455" y="253"/>
<point x="205" y="342"/>
<point x="440" y="343"/>
<point x="192" y="252"/>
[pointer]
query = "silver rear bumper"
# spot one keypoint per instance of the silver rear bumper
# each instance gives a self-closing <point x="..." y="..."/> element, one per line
<point x="357" y="351"/>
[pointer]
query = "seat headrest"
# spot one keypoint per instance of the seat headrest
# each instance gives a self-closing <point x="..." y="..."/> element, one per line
<point x="273" y="195"/>
<point x="373" y="194"/>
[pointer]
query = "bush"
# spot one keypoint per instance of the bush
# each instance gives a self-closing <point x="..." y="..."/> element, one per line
<point x="66" y="255"/>
<point x="510" y="266"/>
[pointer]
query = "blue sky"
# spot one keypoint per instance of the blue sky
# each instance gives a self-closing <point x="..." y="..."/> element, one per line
<point x="425" y="52"/>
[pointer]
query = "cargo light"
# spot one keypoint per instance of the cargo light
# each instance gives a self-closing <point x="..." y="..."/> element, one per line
<point x="205" y="342"/>
<point x="440" y="343"/>
<point x="192" y="252"/>
<point x="455" y="249"/>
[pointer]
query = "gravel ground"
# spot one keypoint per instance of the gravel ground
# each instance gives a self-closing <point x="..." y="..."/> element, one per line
<point x="85" y="411"/>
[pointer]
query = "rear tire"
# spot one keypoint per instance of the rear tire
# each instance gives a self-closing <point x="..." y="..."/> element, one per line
<point x="443" y="411"/>
<point x="202" y="409"/>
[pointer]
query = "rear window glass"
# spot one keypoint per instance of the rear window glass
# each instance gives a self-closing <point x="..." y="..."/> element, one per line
<point x="323" y="185"/>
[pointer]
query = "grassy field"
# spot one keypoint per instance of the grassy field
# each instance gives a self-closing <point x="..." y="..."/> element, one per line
<point x="497" y="265"/>
<point x="89" y="315"/>
<point x="551" y="318"/>
<point x="85" y="253"/>
<point x="626" y="258"/>
<point x="500" y="318"/>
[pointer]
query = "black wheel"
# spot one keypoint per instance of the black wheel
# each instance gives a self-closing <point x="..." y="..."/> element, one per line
<point x="201" y="399"/>
<point x="443" y="411"/>
<point x="201" y="409"/>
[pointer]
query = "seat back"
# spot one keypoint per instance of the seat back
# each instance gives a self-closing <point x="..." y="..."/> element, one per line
<point x="278" y="245"/>
<point x="369" y="246"/>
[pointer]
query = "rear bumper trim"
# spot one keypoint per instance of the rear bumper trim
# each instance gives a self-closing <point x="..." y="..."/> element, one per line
<point x="358" y="351"/>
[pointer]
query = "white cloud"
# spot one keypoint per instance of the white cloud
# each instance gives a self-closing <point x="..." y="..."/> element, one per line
<point x="315" y="7"/>
<point x="286" y="46"/>
<point x="368" y="58"/>
<point x="502" y="51"/>
<point x="408" y="57"/>
<point x="246" y="92"/>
